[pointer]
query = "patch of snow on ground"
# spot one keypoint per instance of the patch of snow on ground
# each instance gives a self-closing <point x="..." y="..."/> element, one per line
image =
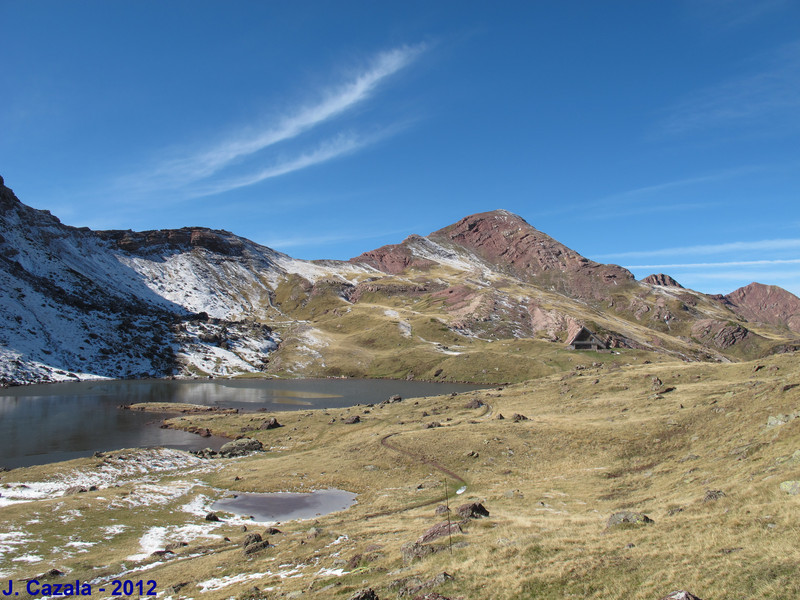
<point x="153" y="495"/>
<point x="199" y="506"/>
<point x="331" y="572"/>
<point x="461" y="261"/>
<point x="151" y="541"/>
<point x="404" y="326"/>
<point x="81" y="546"/>
<point x="112" y="530"/>
<point x="157" y="537"/>
<point x="312" y="272"/>
<point x="133" y="467"/>
<point x="10" y="539"/>
<point x="211" y="585"/>
<point x="28" y="558"/>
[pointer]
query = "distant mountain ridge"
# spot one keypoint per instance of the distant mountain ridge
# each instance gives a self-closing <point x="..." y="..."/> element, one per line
<point x="195" y="301"/>
<point x="766" y="304"/>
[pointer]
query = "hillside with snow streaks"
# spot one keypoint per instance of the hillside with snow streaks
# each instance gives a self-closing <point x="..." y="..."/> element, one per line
<point x="198" y="302"/>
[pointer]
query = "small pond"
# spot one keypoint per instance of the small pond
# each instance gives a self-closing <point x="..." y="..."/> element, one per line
<point x="286" y="506"/>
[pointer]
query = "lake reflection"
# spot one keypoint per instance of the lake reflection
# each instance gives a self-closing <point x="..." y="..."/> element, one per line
<point x="47" y="423"/>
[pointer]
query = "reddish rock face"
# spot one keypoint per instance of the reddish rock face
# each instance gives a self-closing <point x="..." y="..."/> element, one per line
<point x="719" y="334"/>
<point x="183" y="239"/>
<point x="510" y="244"/>
<point x="394" y="258"/>
<point x="766" y="304"/>
<point x="661" y="279"/>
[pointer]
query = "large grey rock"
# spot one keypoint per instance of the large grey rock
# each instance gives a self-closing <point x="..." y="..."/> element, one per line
<point x="241" y="447"/>
<point x="412" y="551"/>
<point x="628" y="517"/>
<point x="472" y="510"/>
<point x="791" y="487"/>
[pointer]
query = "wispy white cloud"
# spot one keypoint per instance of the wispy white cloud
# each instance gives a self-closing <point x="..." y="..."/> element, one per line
<point x="196" y="167"/>
<point x="328" y="150"/>
<point x="720" y="265"/>
<point x="770" y="94"/>
<point x="759" y="245"/>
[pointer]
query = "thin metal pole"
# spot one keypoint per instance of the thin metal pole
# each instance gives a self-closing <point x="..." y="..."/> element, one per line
<point x="447" y="504"/>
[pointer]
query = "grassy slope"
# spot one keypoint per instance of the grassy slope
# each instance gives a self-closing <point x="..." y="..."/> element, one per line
<point x="599" y="439"/>
<point x="386" y="333"/>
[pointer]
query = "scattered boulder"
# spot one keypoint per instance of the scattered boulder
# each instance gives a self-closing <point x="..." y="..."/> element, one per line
<point x="412" y="551"/>
<point x="212" y="517"/>
<point x="172" y="546"/>
<point x="205" y="453"/>
<point x="51" y="573"/>
<point x="513" y="494"/>
<point x="414" y="585"/>
<point x="794" y="459"/>
<point x="354" y="561"/>
<point x="439" y="530"/>
<point x="432" y="425"/>
<point x="627" y="517"/>
<point x="75" y="489"/>
<point x="251" y="538"/>
<point x="365" y="594"/>
<point x="256" y="547"/>
<point x="777" y="420"/>
<point x="712" y="495"/>
<point x="791" y="487"/>
<point x="352" y="420"/>
<point x="431" y="596"/>
<point x="240" y="447"/>
<point x="441" y="510"/>
<point x="499" y="416"/>
<point x="395" y="398"/>
<point x="474" y="403"/>
<point x="271" y="423"/>
<point x="516" y="417"/>
<point x="472" y="510"/>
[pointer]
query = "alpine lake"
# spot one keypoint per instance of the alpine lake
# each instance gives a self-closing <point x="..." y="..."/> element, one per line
<point x="61" y="421"/>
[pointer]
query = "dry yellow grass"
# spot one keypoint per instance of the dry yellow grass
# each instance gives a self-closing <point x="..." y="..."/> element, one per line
<point x="597" y="440"/>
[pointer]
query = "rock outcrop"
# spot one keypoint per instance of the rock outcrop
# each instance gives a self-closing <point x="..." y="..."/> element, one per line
<point x="627" y="517"/>
<point x="661" y="279"/>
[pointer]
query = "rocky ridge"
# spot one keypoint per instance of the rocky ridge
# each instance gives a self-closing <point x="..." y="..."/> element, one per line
<point x="201" y="302"/>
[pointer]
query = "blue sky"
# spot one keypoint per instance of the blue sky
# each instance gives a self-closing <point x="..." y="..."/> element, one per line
<point x="663" y="136"/>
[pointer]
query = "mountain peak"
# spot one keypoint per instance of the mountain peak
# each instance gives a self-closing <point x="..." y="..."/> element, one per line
<point x="508" y="244"/>
<point x="767" y="304"/>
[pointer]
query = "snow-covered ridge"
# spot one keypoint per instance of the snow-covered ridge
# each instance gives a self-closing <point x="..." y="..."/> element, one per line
<point x="80" y="304"/>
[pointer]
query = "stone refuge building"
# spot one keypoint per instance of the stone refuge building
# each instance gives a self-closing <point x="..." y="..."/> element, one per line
<point x="583" y="339"/>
